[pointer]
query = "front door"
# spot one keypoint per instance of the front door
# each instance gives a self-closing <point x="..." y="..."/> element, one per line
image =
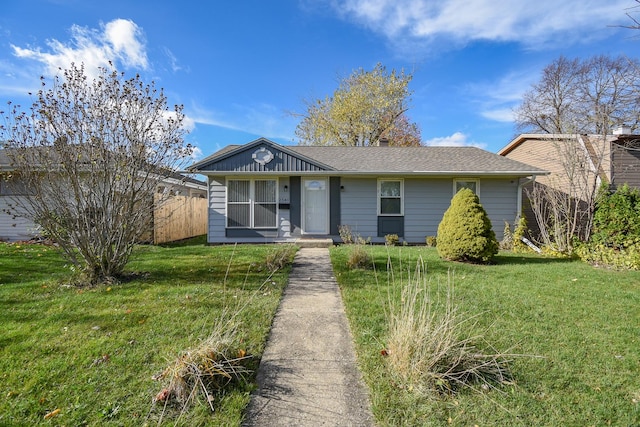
<point x="315" y="202"/>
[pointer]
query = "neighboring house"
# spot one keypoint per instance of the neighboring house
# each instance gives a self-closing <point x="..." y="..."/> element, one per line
<point x="579" y="164"/>
<point x="15" y="228"/>
<point x="614" y="159"/>
<point x="266" y="192"/>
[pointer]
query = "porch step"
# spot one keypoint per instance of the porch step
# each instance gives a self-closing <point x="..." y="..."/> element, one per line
<point x="314" y="243"/>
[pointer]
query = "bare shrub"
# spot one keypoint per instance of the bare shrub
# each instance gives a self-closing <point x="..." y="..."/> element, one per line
<point x="429" y="345"/>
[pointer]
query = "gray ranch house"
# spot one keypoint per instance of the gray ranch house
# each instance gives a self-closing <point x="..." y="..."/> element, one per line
<point x="263" y="192"/>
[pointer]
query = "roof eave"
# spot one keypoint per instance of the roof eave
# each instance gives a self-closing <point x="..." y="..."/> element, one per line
<point x="378" y="173"/>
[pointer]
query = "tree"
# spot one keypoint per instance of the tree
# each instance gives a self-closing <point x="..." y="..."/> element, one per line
<point x="91" y="154"/>
<point x="465" y="232"/>
<point x="579" y="102"/>
<point x="592" y="96"/>
<point x="367" y="106"/>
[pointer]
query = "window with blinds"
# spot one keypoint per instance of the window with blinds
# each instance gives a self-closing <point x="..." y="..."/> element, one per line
<point x="251" y="203"/>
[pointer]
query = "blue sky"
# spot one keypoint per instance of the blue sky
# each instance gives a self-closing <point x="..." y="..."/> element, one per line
<point x="240" y="68"/>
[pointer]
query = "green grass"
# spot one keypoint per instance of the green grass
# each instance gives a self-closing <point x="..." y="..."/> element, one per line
<point x="583" y="324"/>
<point x="54" y="336"/>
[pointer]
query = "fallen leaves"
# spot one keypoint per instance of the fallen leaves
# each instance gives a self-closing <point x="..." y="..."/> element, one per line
<point x="52" y="414"/>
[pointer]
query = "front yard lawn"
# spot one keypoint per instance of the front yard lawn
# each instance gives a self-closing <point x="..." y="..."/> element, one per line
<point x="581" y="322"/>
<point x="87" y="356"/>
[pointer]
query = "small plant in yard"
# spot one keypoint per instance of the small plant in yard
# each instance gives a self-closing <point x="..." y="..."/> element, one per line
<point x="391" y="239"/>
<point x="507" y="240"/>
<point x="429" y="345"/>
<point x="431" y="241"/>
<point x="359" y="257"/>
<point x="280" y="257"/>
<point x="518" y="234"/>
<point x="348" y="236"/>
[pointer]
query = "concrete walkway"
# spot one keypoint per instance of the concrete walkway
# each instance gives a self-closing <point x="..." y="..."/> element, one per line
<point x="308" y="374"/>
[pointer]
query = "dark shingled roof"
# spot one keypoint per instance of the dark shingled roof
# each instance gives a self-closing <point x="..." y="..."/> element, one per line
<point x="390" y="160"/>
<point x="413" y="159"/>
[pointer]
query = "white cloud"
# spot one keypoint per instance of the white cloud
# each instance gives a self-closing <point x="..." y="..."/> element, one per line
<point x="458" y="139"/>
<point x="495" y="100"/>
<point x="524" y="21"/>
<point x="120" y="41"/>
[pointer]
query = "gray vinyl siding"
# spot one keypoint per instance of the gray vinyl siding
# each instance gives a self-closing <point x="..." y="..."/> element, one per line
<point x="499" y="199"/>
<point x="425" y="202"/>
<point x="217" y="210"/>
<point x="359" y="206"/>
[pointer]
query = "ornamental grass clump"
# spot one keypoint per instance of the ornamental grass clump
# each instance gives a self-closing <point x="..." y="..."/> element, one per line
<point x="359" y="257"/>
<point x="430" y="347"/>
<point x="201" y="373"/>
<point x="465" y="232"/>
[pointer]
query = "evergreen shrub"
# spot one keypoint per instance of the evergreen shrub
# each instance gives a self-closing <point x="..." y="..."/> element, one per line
<point x="465" y="232"/>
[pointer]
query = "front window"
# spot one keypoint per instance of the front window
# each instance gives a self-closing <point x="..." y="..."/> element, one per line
<point x="471" y="184"/>
<point x="390" y="193"/>
<point x="251" y="203"/>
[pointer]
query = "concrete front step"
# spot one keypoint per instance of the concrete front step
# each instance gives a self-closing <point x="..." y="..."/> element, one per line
<point x="314" y="243"/>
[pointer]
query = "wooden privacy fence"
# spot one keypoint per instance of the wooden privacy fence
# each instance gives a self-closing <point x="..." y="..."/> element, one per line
<point x="179" y="217"/>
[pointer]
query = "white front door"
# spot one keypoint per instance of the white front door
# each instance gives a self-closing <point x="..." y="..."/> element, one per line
<point x="315" y="202"/>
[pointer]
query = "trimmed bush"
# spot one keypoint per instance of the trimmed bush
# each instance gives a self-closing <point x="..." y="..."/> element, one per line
<point x="465" y="232"/>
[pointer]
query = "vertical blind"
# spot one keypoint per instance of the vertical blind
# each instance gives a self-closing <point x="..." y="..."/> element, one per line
<point x="251" y="204"/>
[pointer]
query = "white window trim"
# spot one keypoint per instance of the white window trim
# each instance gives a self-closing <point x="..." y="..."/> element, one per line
<point x="378" y="196"/>
<point x="251" y="203"/>
<point x="457" y="180"/>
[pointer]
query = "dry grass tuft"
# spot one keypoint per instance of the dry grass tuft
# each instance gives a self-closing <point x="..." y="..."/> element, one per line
<point x="359" y="257"/>
<point x="429" y="345"/>
<point x="280" y="257"/>
<point x="204" y="371"/>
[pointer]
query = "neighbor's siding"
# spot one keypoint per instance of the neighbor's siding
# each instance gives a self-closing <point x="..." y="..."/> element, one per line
<point x="626" y="166"/>
<point x="12" y="229"/>
<point x="217" y="210"/>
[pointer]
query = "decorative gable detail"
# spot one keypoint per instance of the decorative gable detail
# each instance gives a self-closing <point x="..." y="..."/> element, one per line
<point x="260" y="156"/>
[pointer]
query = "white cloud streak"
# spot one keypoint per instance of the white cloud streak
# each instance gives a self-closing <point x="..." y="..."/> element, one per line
<point x="461" y="21"/>
<point x="120" y="41"/>
<point x="458" y="139"/>
<point x="258" y="119"/>
<point x="496" y="100"/>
